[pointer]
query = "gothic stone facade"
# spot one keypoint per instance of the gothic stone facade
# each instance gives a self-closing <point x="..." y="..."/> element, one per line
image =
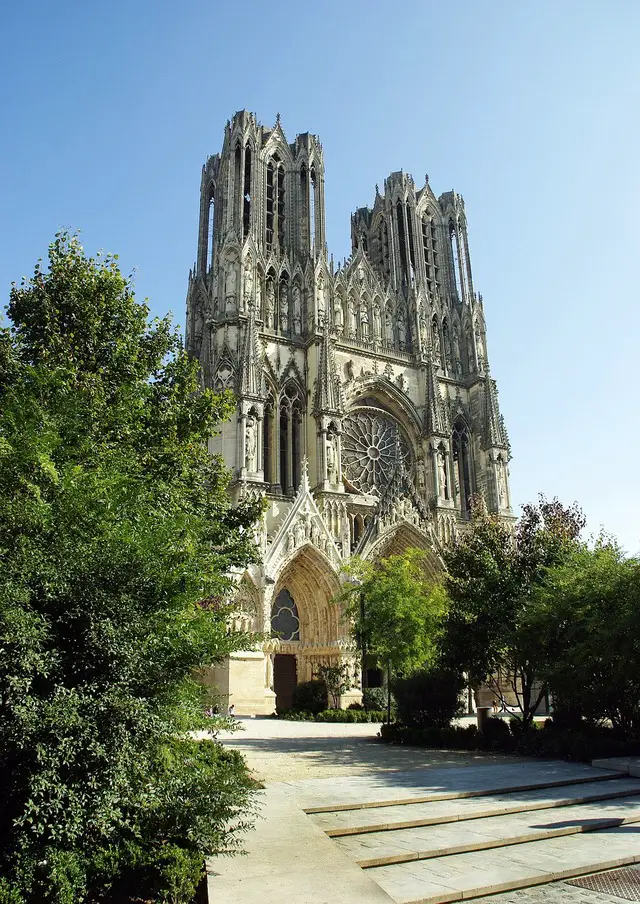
<point x="366" y="413"/>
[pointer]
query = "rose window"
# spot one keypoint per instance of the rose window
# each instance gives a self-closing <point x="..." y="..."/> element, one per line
<point x="371" y="443"/>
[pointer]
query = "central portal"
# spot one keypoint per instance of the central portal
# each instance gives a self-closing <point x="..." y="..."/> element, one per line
<point x="284" y="680"/>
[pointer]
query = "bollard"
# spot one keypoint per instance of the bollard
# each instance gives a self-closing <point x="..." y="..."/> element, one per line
<point x="482" y="714"/>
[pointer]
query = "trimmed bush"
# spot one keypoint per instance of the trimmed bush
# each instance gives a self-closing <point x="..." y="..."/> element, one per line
<point x="429" y="699"/>
<point x="311" y="696"/>
<point x="335" y="715"/>
<point x="376" y="698"/>
<point x="495" y="735"/>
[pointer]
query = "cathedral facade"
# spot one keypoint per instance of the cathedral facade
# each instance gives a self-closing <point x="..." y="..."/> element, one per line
<point x="366" y="411"/>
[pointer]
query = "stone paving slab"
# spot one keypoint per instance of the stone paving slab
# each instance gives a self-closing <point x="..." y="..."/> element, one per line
<point x="288" y="859"/>
<point x="378" y="848"/>
<point x="376" y="789"/>
<point x="628" y="764"/>
<point x="436" y="812"/>
<point x="472" y="875"/>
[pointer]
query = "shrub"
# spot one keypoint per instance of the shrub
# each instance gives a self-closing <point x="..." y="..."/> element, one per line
<point x="335" y="715"/>
<point x="495" y="735"/>
<point x="311" y="696"/>
<point x="428" y="699"/>
<point x="376" y="698"/>
<point x="356" y="706"/>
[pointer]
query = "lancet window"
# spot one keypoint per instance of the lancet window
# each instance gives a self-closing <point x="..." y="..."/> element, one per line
<point x="269" y="441"/>
<point x="430" y="252"/>
<point x="246" y="193"/>
<point x="210" y="223"/>
<point x="461" y="466"/>
<point x="290" y="436"/>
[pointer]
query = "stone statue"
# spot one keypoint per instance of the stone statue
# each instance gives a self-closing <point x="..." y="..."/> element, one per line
<point x="297" y="311"/>
<point x="377" y="323"/>
<point x="320" y="299"/>
<point x="351" y="308"/>
<point x="424" y="332"/>
<point x="420" y="473"/>
<point x="442" y="475"/>
<point x="248" y="284"/>
<point x="364" y="323"/>
<point x="501" y="485"/>
<point x="270" y="305"/>
<point x="250" y="445"/>
<point x="388" y="327"/>
<point x="230" y="289"/>
<point x="480" y="347"/>
<point x="284" y="309"/>
<point x="338" y="314"/>
<point x="350" y="371"/>
<point x="258" y="297"/>
<point x="456" y="347"/>
<point x="470" y="355"/>
<point x="402" y="329"/>
<point x="332" y="460"/>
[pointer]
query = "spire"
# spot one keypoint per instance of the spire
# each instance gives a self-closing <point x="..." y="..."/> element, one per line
<point x="329" y="396"/>
<point x="251" y="363"/>
<point x="436" y="420"/>
<point x="495" y="433"/>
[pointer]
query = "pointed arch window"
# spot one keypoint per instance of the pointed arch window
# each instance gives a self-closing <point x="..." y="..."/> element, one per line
<point x="402" y="241"/>
<point x="384" y="243"/>
<point x="246" y="192"/>
<point x="270" y="202"/>
<point x="285" y="622"/>
<point x="268" y="440"/>
<point x="312" y="210"/>
<point x="210" y="222"/>
<point x="290" y="424"/>
<point x="237" y="182"/>
<point x="462" y="480"/>
<point x="281" y="206"/>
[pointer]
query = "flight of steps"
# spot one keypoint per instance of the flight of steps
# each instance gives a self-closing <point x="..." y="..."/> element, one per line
<point x="451" y="846"/>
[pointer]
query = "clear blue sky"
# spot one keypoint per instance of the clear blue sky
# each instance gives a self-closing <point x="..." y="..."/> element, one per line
<point x="530" y="110"/>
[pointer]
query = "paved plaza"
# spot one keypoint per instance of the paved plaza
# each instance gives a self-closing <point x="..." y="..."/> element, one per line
<point x="344" y="818"/>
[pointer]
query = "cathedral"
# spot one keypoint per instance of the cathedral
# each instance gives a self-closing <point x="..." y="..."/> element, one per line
<point x="366" y="411"/>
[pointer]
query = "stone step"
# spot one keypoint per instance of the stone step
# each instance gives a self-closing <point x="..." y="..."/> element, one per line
<point x="427" y="842"/>
<point x="338" y="823"/>
<point x="482" y="782"/>
<point x="460" y="877"/>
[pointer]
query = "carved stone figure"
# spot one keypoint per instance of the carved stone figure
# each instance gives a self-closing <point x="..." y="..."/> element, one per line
<point x="350" y="371"/>
<point x="420" y="473"/>
<point x="377" y="321"/>
<point x="402" y="329"/>
<point x="442" y="474"/>
<point x="332" y="460"/>
<point x="230" y="289"/>
<point x="338" y="314"/>
<point x="270" y="306"/>
<point x="388" y="327"/>
<point x="364" y="322"/>
<point x="501" y="483"/>
<point x="351" y="308"/>
<point x="250" y="445"/>
<point x="284" y="310"/>
<point x="297" y="311"/>
<point x="248" y="284"/>
<point x="321" y="304"/>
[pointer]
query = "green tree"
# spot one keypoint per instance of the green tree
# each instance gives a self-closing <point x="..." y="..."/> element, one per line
<point x="116" y="543"/>
<point x="492" y="574"/>
<point x="587" y="610"/>
<point x="396" y="609"/>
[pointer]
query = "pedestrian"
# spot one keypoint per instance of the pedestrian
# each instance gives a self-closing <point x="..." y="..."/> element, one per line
<point x="232" y="710"/>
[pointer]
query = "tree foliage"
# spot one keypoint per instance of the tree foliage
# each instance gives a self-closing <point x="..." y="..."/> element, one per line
<point x="587" y="611"/>
<point x="402" y="609"/>
<point x="114" y="527"/>
<point x="492" y="575"/>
